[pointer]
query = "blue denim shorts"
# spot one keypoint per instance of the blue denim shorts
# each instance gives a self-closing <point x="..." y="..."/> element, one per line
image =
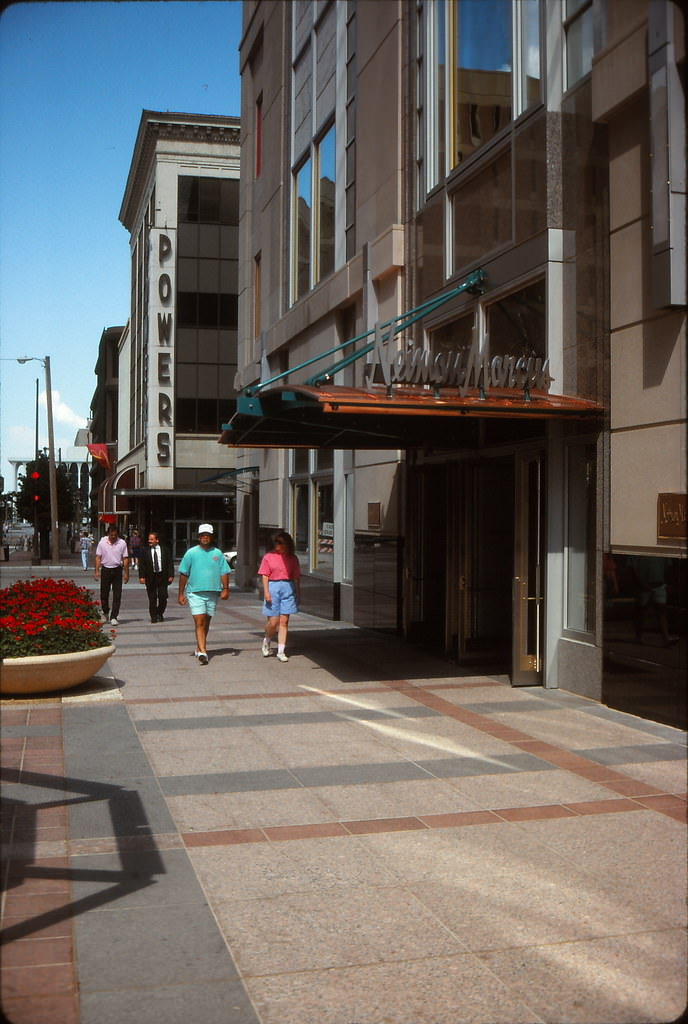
<point x="202" y="602"/>
<point x="283" y="597"/>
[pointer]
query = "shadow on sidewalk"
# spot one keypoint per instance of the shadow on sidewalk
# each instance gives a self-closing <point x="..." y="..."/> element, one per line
<point x="139" y="856"/>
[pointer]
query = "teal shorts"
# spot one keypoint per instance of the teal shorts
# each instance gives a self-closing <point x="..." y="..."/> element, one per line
<point x="202" y="602"/>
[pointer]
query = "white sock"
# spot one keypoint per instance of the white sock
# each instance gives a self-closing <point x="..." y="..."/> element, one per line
<point x="280" y="648"/>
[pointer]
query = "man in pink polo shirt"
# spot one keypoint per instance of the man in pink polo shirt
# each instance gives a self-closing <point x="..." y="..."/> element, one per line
<point x="112" y="566"/>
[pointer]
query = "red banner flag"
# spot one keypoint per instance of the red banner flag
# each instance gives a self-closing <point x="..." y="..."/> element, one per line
<point x="100" y="453"/>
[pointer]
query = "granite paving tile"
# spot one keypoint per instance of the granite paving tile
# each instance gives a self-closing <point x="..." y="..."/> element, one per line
<point x="613" y="979"/>
<point x="636" y="753"/>
<point x="53" y="1009"/>
<point x="215" y="744"/>
<point x="638" y="859"/>
<point x="438" y="990"/>
<point x="358" y="773"/>
<point x="39" y="979"/>
<point x="501" y="886"/>
<point x="150" y="947"/>
<point x="266" y="717"/>
<point x="248" y="810"/>
<point x="164" y="710"/>
<point x="30" y="952"/>
<point x="333" y="743"/>
<point x="573" y="730"/>
<point x="228" y="782"/>
<point x="436" y="737"/>
<point x="339" y="928"/>
<point x="527" y="788"/>
<point x="298" y="867"/>
<point x="211" y="1002"/>
<point x="412" y="797"/>
<point x="125" y="881"/>
<point x="49" y="927"/>
<point x="135" y="808"/>
<point x="667" y="776"/>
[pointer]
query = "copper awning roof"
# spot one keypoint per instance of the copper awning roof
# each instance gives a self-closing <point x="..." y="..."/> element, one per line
<point x="343" y="417"/>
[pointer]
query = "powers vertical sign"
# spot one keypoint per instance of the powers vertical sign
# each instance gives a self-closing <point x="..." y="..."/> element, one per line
<point x="161" y="329"/>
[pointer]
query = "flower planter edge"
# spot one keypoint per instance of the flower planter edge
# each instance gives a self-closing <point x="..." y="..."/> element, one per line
<point x="43" y="673"/>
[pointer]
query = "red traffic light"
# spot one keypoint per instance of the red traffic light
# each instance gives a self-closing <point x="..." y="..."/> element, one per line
<point x="35" y="475"/>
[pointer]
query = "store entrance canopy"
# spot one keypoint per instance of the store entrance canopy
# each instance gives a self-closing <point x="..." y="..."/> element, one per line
<point x="412" y="397"/>
<point x="341" y="417"/>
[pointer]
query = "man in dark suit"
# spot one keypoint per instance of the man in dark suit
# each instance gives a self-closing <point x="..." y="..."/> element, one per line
<point x="156" y="570"/>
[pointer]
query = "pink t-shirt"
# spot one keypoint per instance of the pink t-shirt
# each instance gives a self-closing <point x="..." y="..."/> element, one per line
<point x="277" y="566"/>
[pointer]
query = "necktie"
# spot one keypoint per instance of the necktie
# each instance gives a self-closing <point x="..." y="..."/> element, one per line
<point x="156" y="563"/>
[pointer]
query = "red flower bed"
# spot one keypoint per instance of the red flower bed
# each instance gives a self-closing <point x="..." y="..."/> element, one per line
<point x="45" y="616"/>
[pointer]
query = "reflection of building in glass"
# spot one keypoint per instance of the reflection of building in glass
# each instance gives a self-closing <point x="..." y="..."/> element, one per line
<point x="482" y="109"/>
<point x="491" y="279"/>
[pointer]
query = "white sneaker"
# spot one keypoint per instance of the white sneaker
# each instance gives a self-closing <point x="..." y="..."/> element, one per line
<point x="202" y="658"/>
<point x="265" y="649"/>
<point x="113" y="622"/>
<point x="282" y="657"/>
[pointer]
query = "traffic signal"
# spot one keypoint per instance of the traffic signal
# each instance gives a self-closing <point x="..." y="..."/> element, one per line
<point x="35" y="476"/>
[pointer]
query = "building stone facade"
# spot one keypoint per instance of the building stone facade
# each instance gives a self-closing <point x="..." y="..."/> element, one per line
<point x="462" y="329"/>
<point x="177" y="355"/>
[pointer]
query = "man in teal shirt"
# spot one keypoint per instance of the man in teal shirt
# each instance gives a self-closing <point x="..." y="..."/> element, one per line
<point x="203" y="577"/>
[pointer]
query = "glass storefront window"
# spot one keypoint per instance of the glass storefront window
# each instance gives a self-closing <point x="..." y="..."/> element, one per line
<point x="324" y="458"/>
<point x="580" y="538"/>
<point x="301" y="460"/>
<point x="516" y="324"/>
<point x="453" y="336"/>
<point x="481" y="68"/>
<point x="302" y="229"/>
<point x="300" y="494"/>
<point x="324" y="560"/>
<point x="326" y="204"/>
<point x="482" y="105"/>
<point x="579" y="39"/>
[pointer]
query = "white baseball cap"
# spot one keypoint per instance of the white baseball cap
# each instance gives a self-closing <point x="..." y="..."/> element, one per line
<point x="205" y="528"/>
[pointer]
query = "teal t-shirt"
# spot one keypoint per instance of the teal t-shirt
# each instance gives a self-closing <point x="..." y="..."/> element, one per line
<point x="204" y="568"/>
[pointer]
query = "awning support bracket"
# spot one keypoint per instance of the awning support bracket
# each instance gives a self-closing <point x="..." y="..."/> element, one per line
<point x="473" y="283"/>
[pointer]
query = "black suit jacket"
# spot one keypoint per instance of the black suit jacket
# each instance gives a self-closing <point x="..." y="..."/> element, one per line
<point x="146" y="563"/>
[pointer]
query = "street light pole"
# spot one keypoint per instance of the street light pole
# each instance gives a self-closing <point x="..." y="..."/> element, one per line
<point x="36" y="559"/>
<point x="52" y="476"/>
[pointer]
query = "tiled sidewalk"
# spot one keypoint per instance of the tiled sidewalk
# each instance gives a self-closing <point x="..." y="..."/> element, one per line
<point x="356" y="837"/>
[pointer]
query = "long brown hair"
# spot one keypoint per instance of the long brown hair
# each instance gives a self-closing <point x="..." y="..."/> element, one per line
<point x="286" y="539"/>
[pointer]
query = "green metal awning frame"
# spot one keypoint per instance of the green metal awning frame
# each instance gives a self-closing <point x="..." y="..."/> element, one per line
<point x="384" y="331"/>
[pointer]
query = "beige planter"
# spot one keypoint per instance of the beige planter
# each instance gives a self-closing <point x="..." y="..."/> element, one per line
<point x="44" y="673"/>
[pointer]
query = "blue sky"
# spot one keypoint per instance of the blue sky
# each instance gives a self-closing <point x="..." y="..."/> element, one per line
<point x="74" y="78"/>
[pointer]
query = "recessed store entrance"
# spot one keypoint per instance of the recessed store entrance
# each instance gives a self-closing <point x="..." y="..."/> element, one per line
<point x="475" y="562"/>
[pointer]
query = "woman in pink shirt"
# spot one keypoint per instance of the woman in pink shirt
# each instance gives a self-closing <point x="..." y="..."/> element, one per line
<point x="281" y="575"/>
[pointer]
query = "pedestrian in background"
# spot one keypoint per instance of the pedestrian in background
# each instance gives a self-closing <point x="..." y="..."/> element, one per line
<point x="156" y="570"/>
<point x="112" y="567"/>
<point x="85" y="545"/>
<point x="134" y="548"/>
<point x="281" y="575"/>
<point x="203" y="578"/>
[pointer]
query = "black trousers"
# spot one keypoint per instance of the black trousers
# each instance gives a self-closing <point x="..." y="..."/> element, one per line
<point x="156" y="588"/>
<point x="111" y="580"/>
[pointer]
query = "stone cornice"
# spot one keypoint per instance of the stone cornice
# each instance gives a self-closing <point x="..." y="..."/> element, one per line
<point x="211" y="129"/>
